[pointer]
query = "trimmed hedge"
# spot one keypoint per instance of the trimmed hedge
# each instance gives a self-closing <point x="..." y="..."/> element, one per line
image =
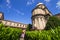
<point x="7" y="33"/>
<point x="53" y="34"/>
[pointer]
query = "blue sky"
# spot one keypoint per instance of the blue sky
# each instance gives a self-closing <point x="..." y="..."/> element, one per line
<point x="20" y="10"/>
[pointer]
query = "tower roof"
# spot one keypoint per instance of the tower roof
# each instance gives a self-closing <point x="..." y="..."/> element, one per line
<point x="39" y="4"/>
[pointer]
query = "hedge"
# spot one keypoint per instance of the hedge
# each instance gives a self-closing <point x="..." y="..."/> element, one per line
<point x="7" y="33"/>
<point x="53" y="34"/>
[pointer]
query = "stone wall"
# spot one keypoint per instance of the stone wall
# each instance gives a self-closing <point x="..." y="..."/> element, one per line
<point x="13" y="24"/>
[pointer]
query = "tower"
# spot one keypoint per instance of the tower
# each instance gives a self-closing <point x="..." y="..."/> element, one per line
<point x="40" y="15"/>
<point x="1" y="16"/>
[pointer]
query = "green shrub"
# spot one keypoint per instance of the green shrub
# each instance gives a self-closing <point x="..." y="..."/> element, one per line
<point x="7" y="33"/>
<point x="53" y="34"/>
<point x="52" y="22"/>
<point x="29" y="27"/>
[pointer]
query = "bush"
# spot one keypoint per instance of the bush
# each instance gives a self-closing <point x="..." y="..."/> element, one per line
<point x="29" y="27"/>
<point x="52" y="22"/>
<point x="53" y="34"/>
<point x="7" y="33"/>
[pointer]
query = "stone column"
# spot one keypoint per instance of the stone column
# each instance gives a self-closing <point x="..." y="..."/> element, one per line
<point x="39" y="23"/>
<point x="35" y="22"/>
<point x="44" y="22"/>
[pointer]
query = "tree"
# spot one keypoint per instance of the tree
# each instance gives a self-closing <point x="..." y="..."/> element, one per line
<point x="29" y="27"/>
<point x="52" y="22"/>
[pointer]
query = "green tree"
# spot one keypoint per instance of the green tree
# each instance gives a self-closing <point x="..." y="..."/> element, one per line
<point x="29" y="27"/>
<point x="52" y="22"/>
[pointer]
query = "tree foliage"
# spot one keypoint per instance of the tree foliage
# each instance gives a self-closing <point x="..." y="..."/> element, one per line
<point x="29" y="27"/>
<point x="53" y="22"/>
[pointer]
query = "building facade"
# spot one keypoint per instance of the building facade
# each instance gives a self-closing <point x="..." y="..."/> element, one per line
<point x="40" y="15"/>
<point x="11" y="23"/>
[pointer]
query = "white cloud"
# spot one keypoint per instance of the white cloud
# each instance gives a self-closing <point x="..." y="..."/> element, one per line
<point x="18" y="11"/>
<point x="47" y="0"/>
<point x="9" y="6"/>
<point x="58" y="5"/>
<point x="30" y="2"/>
<point x="8" y="3"/>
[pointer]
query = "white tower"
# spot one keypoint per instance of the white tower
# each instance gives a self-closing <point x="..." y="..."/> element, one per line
<point x="40" y="16"/>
